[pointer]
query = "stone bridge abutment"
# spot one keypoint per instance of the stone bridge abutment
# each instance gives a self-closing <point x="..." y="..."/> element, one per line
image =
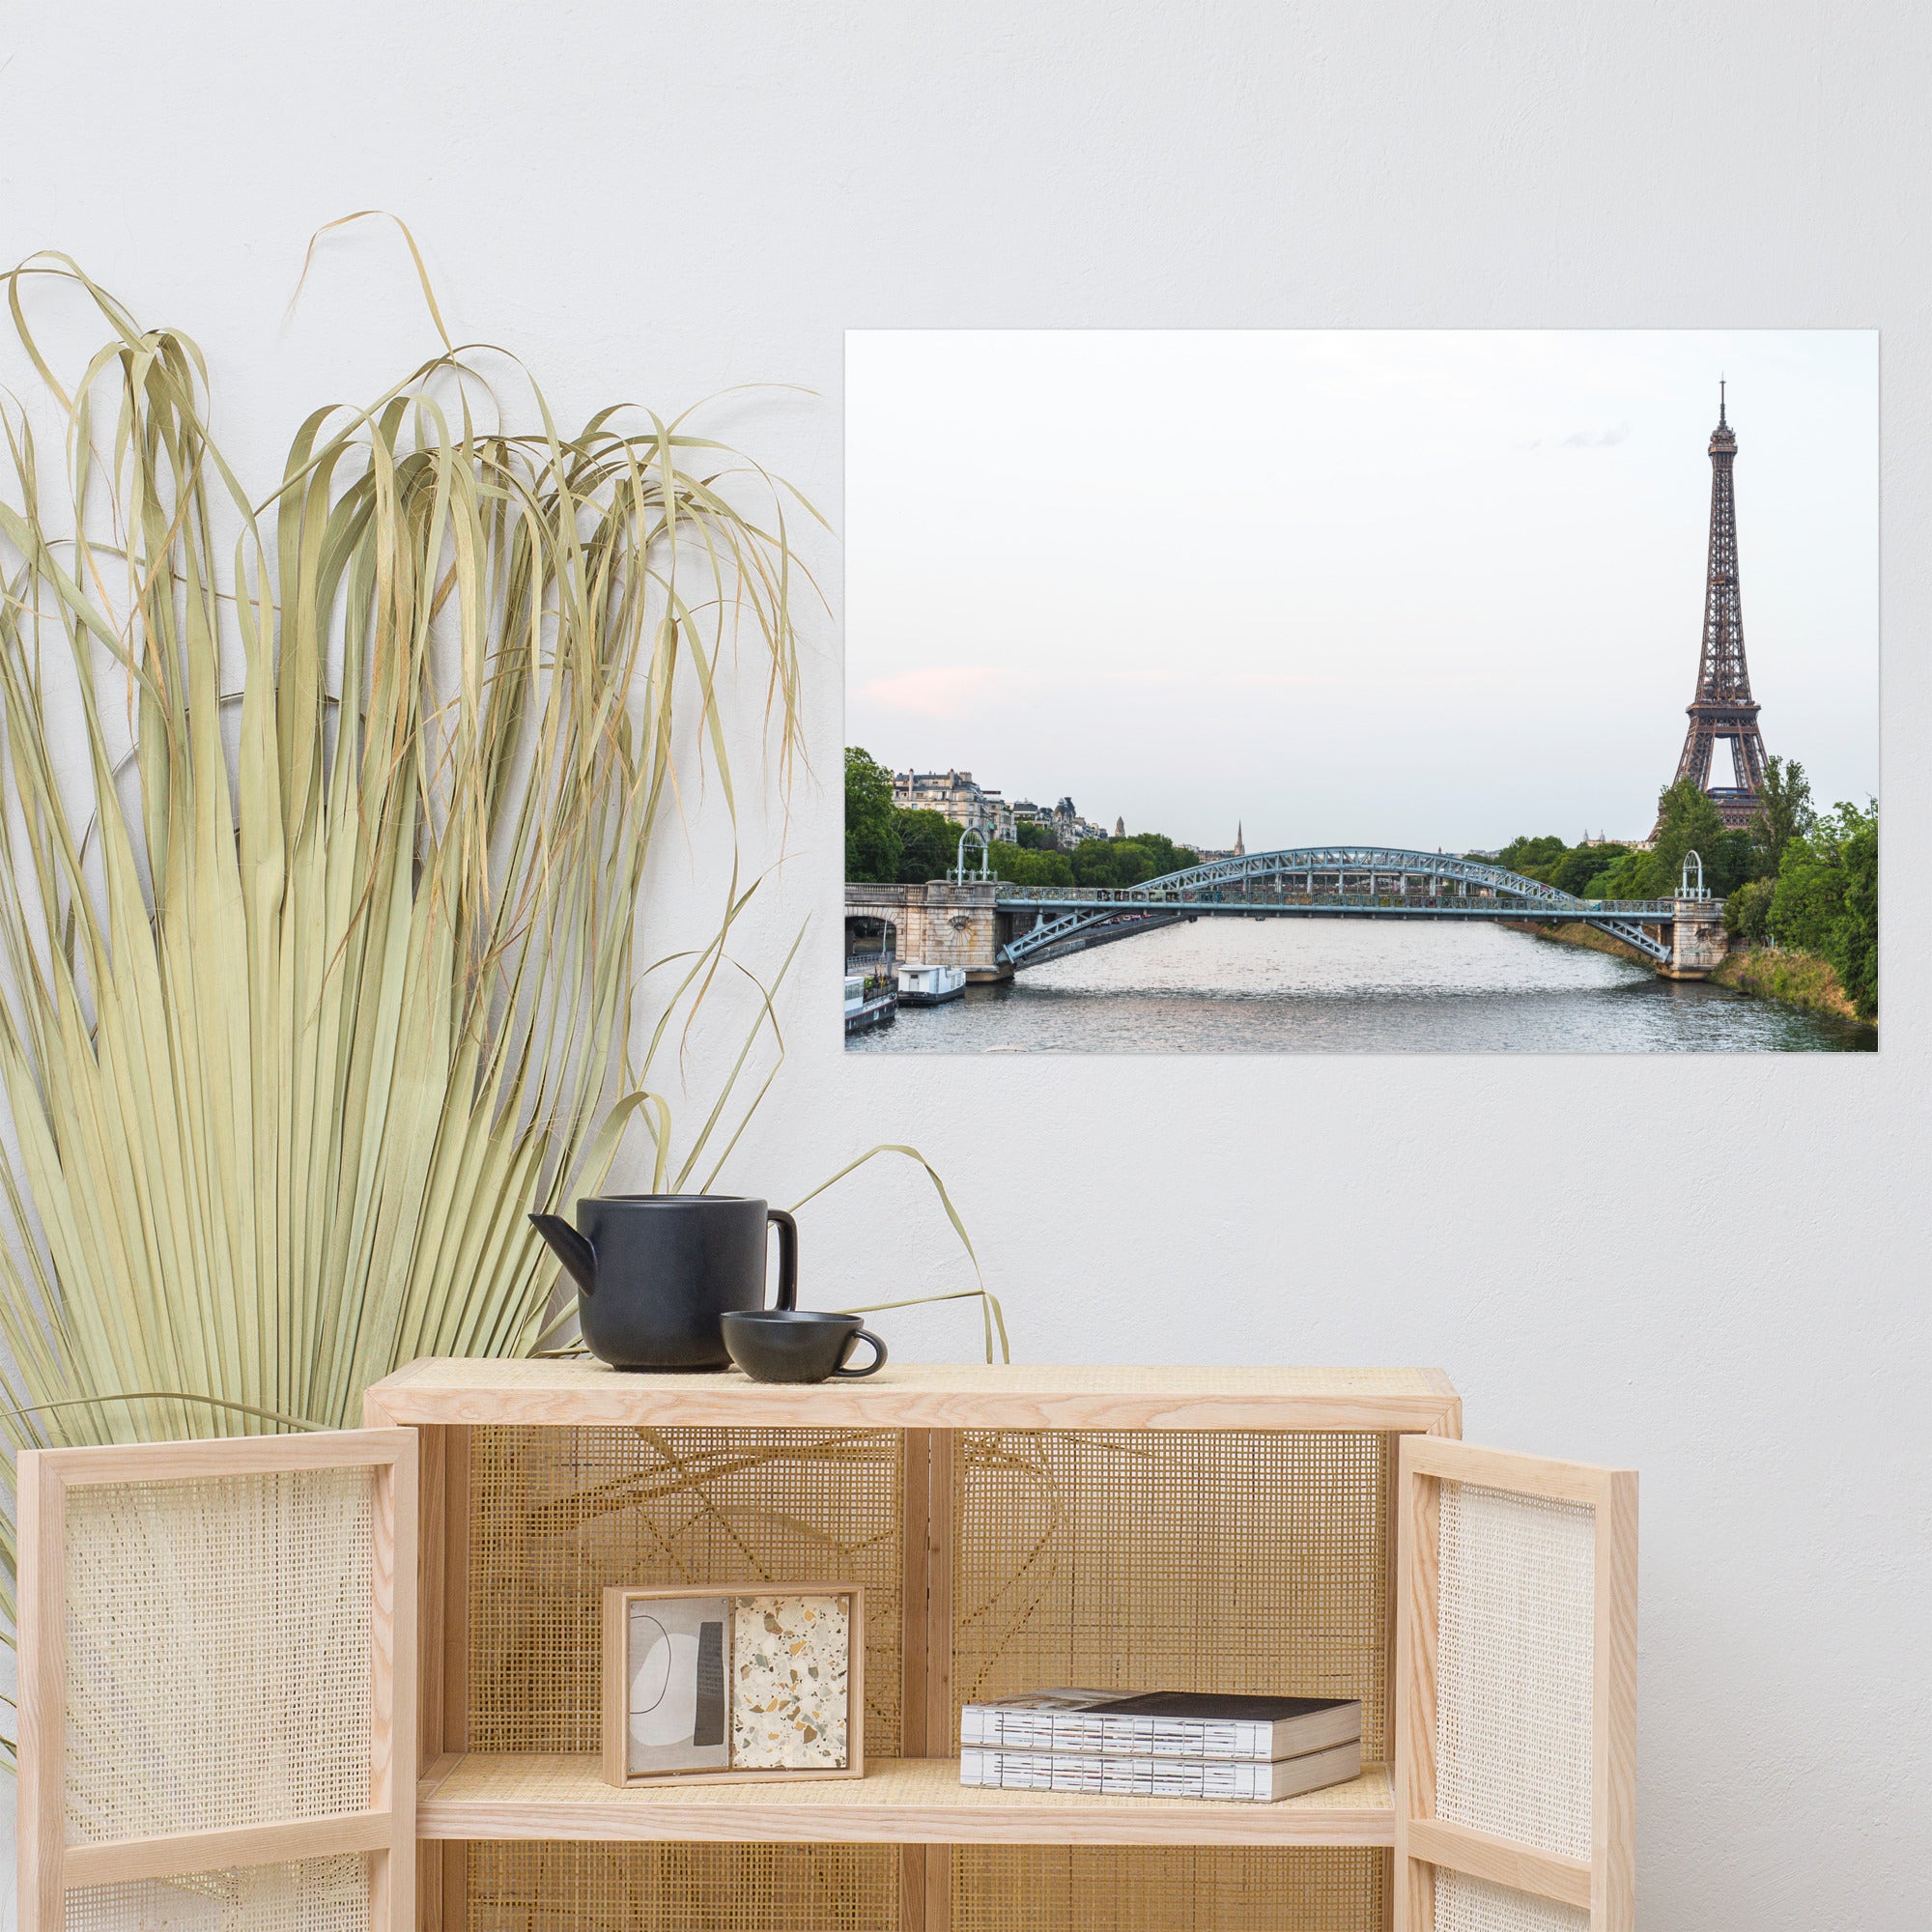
<point x="941" y="923"/>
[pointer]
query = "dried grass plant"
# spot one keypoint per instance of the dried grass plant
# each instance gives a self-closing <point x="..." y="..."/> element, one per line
<point x="321" y="970"/>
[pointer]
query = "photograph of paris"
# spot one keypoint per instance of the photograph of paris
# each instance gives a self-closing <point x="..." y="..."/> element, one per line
<point x="1450" y="691"/>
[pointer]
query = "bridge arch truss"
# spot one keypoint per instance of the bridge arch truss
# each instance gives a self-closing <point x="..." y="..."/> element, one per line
<point x="1318" y="881"/>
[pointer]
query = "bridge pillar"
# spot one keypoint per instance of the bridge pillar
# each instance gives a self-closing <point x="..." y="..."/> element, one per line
<point x="1698" y="942"/>
<point x="940" y="923"/>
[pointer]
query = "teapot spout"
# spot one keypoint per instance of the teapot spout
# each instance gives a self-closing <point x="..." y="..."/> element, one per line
<point x="570" y="1248"/>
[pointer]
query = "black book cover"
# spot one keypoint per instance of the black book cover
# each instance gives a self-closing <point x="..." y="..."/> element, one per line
<point x="1210" y="1707"/>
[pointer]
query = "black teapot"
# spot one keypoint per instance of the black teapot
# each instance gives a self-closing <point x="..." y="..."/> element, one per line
<point x="655" y="1272"/>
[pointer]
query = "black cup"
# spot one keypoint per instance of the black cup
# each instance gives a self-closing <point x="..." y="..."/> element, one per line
<point x="794" y="1345"/>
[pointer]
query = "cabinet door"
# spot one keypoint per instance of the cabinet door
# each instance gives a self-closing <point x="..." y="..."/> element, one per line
<point x="217" y="1690"/>
<point x="1516" y="1692"/>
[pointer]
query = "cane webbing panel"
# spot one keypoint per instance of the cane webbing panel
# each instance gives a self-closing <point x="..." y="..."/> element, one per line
<point x="313" y="1895"/>
<point x="539" y="1887"/>
<point x="1514" y="1666"/>
<point x="1138" y="1888"/>
<point x="1240" y="1561"/>
<point x="1465" y="1904"/>
<point x="558" y="1514"/>
<point x="218" y="1652"/>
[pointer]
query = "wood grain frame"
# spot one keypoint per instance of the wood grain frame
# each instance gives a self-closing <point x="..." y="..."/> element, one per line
<point x="386" y="1830"/>
<point x="940" y="1396"/>
<point x="615" y="1730"/>
<point x="442" y="1654"/>
<point x="1604" y="1885"/>
<point x="925" y="1678"/>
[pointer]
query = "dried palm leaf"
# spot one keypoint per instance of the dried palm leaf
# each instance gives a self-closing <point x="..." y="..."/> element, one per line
<point x="320" y="972"/>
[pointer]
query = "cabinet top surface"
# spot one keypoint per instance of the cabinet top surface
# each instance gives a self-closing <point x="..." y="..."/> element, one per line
<point x="921" y="1396"/>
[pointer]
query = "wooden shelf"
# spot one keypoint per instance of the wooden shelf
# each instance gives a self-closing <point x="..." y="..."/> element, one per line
<point x="498" y="1453"/>
<point x="581" y="1392"/>
<point x="898" y="1802"/>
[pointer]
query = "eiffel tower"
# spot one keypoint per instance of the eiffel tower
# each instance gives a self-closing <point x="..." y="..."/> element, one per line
<point x="1723" y="707"/>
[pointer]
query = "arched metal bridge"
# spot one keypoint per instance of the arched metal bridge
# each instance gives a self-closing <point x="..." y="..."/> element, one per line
<point x="1318" y="882"/>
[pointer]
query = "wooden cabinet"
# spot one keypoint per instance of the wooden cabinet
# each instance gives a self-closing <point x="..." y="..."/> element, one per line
<point x="1320" y="1530"/>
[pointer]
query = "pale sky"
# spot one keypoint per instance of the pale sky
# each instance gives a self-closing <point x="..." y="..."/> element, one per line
<point x="1428" y="589"/>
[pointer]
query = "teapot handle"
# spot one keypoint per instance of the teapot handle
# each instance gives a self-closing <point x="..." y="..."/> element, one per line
<point x="787" y="1257"/>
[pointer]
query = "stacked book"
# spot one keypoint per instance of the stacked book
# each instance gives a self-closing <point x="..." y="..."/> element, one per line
<point x="1163" y="1743"/>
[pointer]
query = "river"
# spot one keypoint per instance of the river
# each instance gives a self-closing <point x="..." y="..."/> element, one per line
<point x="1316" y="986"/>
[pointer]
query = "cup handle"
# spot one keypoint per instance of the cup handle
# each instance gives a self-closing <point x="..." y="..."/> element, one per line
<point x="872" y="1367"/>
<point x="787" y="1257"/>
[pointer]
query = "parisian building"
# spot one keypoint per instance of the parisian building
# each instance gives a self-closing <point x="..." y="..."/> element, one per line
<point x="955" y="796"/>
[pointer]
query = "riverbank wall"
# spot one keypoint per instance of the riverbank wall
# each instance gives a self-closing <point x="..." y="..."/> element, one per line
<point x="1577" y="933"/>
<point x="1696" y="939"/>
<point x="1801" y="979"/>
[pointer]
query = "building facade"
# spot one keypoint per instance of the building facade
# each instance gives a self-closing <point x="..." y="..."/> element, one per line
<point x="1070" y="829"/>
<point x="955" y="796"/>
<point x="959" y="797"/>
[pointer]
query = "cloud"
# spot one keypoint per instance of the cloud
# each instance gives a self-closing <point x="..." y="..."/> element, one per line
<point x="942" y="691"/>
<point x="1599" y="439"/>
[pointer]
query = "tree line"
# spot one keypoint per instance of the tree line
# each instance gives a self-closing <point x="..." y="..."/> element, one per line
<point x="1796" y="878"/>
<point x="885" y="844"/>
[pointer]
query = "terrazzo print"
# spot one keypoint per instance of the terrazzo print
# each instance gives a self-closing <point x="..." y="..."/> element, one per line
<point x="789" y="1684"/>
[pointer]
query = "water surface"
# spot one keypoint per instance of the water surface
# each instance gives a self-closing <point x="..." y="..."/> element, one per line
<point x="1317" y="985"/>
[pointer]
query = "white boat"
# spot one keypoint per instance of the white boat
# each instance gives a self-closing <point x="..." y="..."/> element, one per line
<point x="868" y="1003"/>
<point x="931" y="986"/>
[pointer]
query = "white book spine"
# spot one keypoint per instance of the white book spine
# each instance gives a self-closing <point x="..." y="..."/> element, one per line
<point x="1115" y="1777"/>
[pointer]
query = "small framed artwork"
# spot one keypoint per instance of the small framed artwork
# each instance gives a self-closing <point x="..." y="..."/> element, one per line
<point x="751" y="1684"/>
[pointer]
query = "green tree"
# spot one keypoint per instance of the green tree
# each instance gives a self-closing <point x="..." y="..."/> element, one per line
<point x="1579" y="866"/>
<point x="872" y="820"/>
<point x="1852" y="945"/>
<point x="1130" y="861"/>
<point x="1784" y="812"/>
<point x="1810" y="892"/>
<point x="1748" y="911"/>
<point x="1825" y="900"/>
<point x="1735" y="860"/>
<point x="1027" y="866"/>
<point x="1533" y="858"/>
<point x="1096" y="862"/>
<point x="1164" y="855"/>
<point x="928" y="846"/>
<point x="1635" y="875"/>
<point x="1036" y="838"/>
<point x="1687" y="821"/>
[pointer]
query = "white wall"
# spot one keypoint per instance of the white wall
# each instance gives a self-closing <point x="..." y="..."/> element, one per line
<point x="1712" y="1269"/>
